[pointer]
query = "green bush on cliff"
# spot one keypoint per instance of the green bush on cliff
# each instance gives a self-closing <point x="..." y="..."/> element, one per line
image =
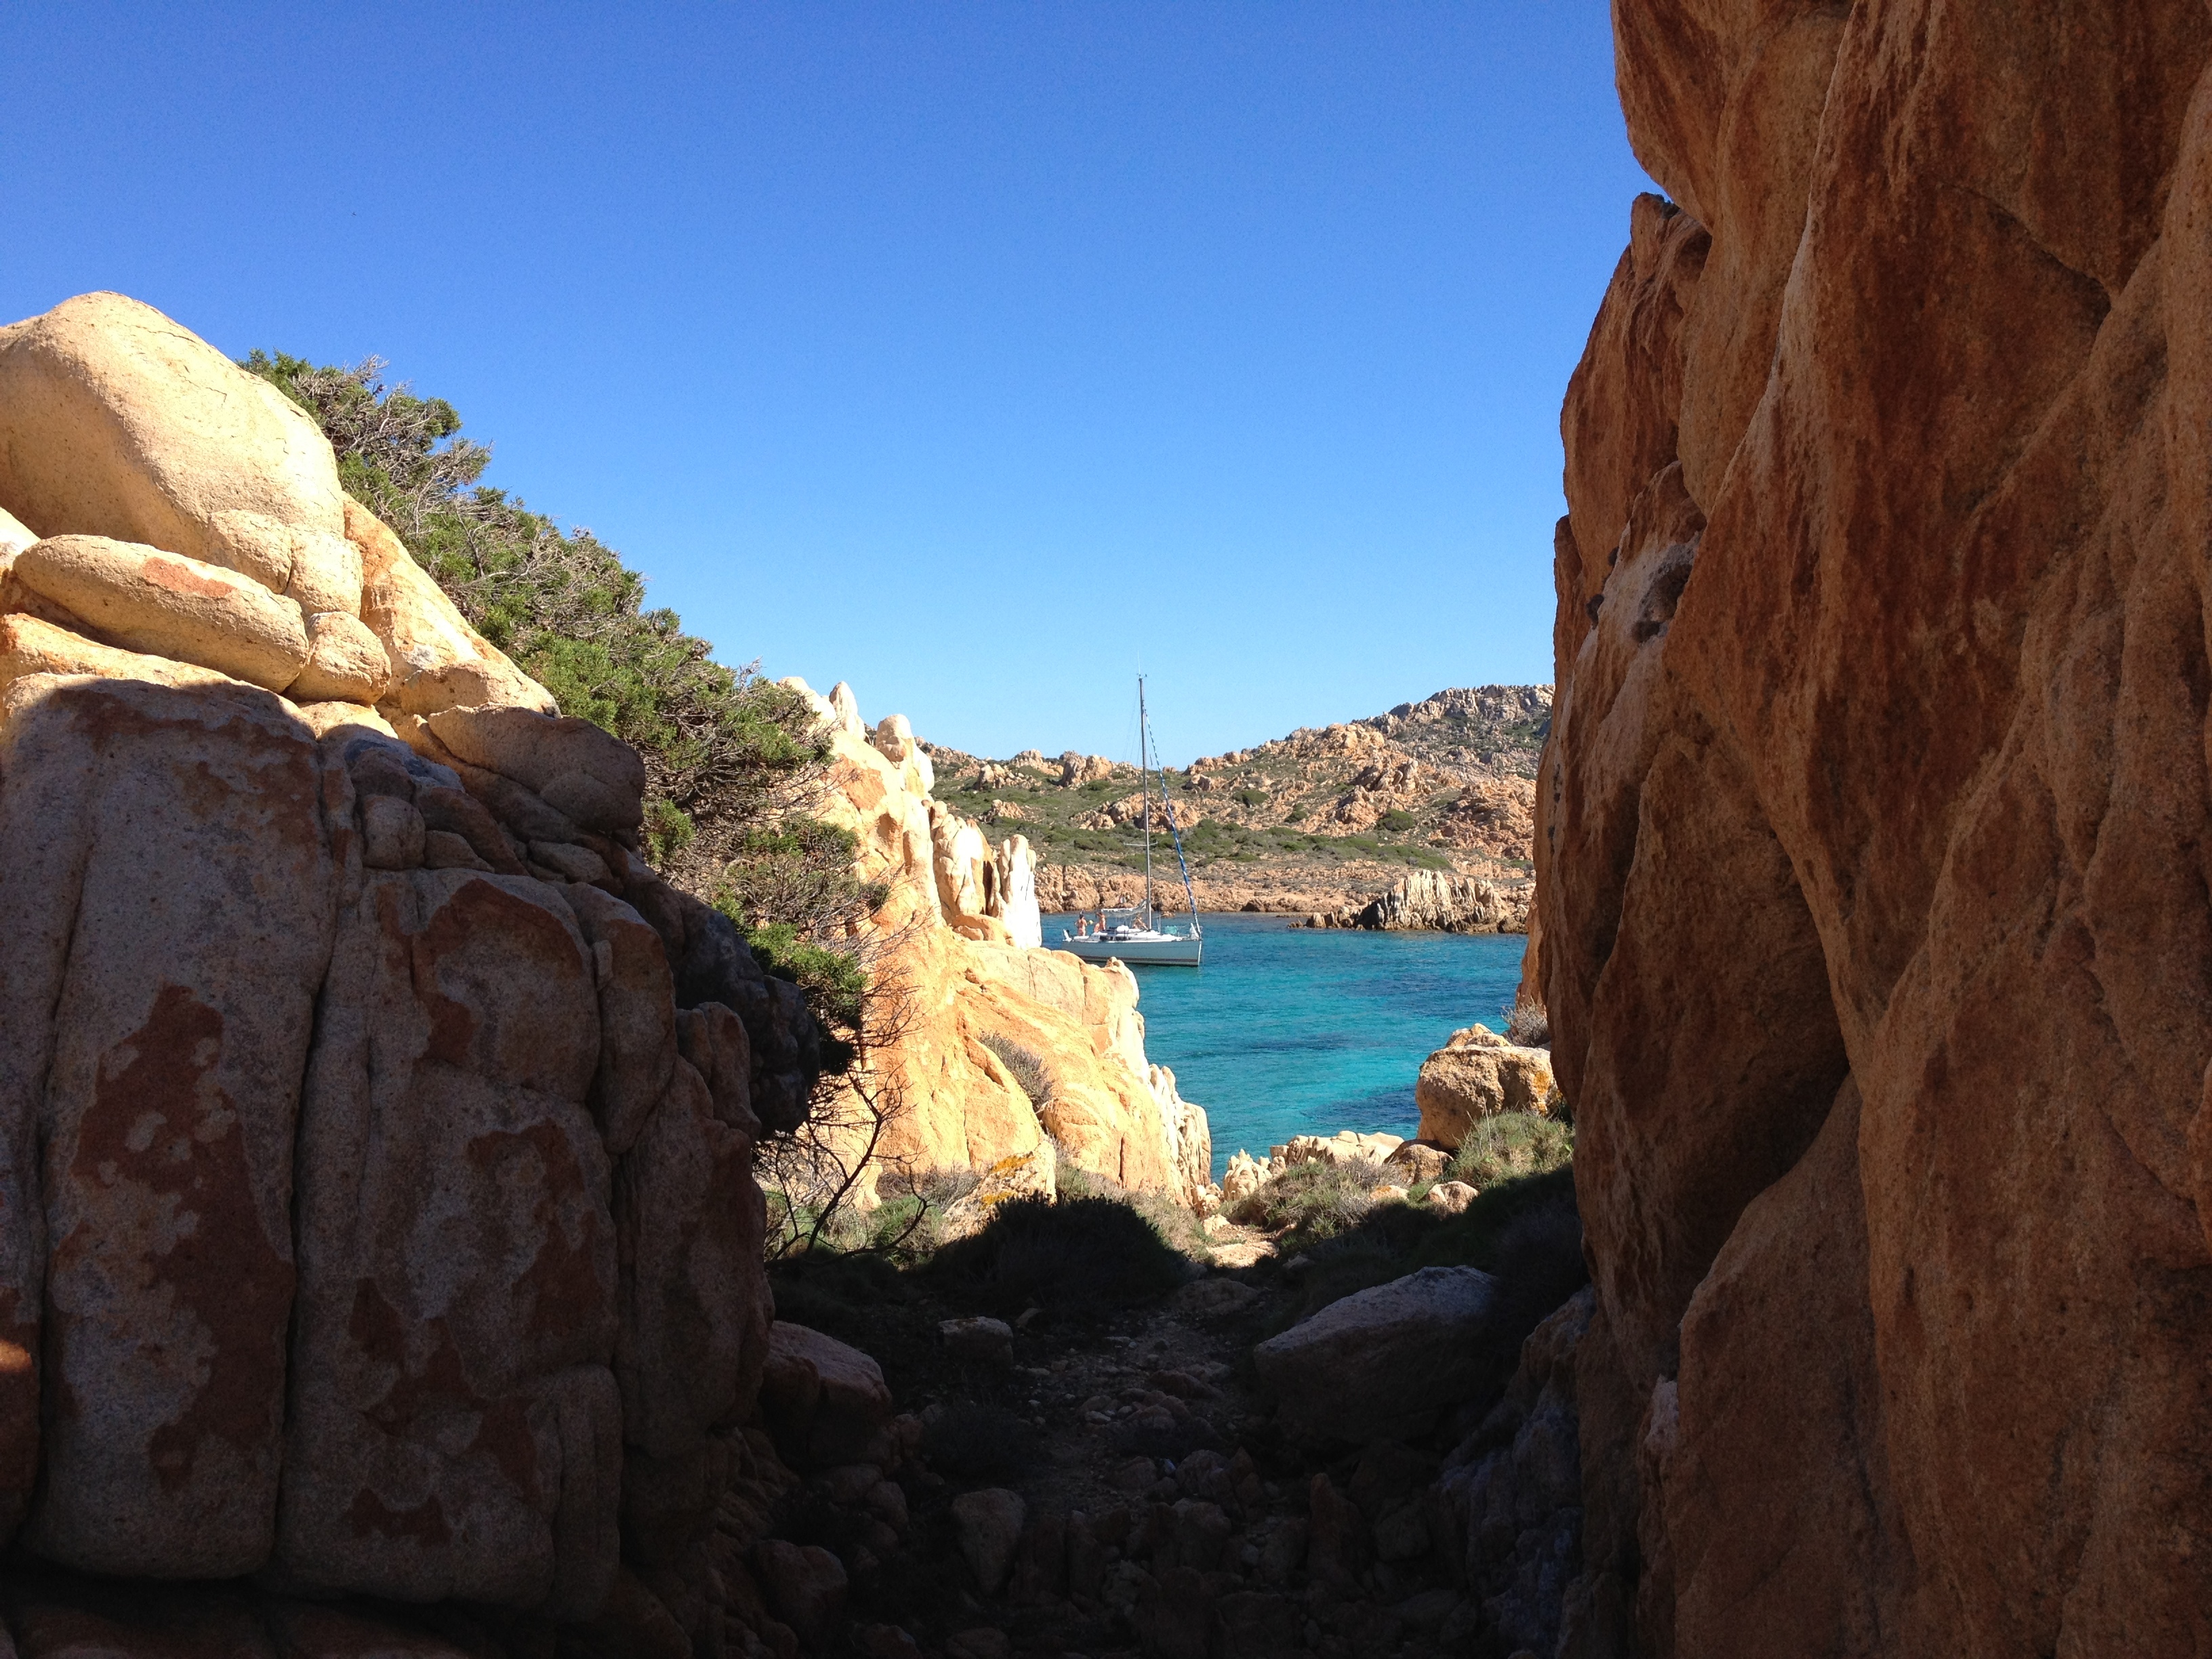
<point x="729" y="757"/>
<point x="723" y="748"/>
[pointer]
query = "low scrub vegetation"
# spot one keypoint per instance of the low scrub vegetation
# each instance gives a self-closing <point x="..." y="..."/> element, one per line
<point x="1511" y="1147"/>
<point x="1528" y="1025"/>
<point x="732" y="760"/>
<point x="1065" y="1255"/>
<point x="1310" y="1203"/>
<point x="1521" y="1226"/>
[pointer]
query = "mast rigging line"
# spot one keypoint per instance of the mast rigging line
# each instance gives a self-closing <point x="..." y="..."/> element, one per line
<point x="1150" y="745"/>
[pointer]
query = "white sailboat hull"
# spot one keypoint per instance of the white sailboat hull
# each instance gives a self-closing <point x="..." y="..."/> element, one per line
<point x="1160" y="951"/>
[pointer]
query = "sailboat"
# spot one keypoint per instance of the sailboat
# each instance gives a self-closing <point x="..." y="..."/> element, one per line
<point x="1133" y="935"/>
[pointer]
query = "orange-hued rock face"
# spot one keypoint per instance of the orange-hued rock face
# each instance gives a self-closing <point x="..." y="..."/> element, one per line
<point x="1879" y="786"/>
<point x="961" y="979"/>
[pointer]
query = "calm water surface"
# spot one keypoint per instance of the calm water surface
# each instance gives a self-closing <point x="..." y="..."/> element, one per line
<point x="1287" y="1032"/>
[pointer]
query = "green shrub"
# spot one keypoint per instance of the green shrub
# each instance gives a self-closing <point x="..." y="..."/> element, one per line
<point x="1509" y="1145"/>
<point x="834" y="982"/>
<point x="1311" y="1202"/>
<point x="728" y="756"/>
<point x="721" y="744"/>
<point x="1397" y="821"/>
<point x="1070" y="1255"/>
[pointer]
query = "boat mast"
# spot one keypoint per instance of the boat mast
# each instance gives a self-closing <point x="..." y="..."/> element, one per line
<point x="1144" y="763"/>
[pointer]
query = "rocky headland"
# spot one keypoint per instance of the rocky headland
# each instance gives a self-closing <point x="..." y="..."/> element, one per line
<point x="1329" y="821"/>
<point x="961" y="983"/>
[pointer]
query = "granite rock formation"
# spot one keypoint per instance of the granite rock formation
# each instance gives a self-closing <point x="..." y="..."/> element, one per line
<point x="1873" y="835"/>
<point x="377" y="1212"/>
<point x="1429" y="901"/>
<point x="962" y="981"/>
<point x="1479" y="1074"/>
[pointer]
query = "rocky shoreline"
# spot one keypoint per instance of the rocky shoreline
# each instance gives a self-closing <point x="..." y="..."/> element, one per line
<point x="1327" y="820"/>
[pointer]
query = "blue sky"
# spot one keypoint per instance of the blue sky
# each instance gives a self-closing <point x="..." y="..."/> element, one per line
<point x="979" y="355"/>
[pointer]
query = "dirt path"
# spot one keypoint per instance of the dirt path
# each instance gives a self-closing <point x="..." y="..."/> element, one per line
<point x="1161" y="1510"/>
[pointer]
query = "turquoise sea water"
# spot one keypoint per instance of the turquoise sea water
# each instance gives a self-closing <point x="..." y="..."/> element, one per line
<point x="1287" y="1032"/>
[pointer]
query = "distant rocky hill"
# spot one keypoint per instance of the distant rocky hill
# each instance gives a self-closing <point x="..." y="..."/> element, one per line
<point x="1321" y="821"/>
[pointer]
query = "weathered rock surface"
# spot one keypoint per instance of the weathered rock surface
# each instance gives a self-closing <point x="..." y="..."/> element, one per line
<point x="960" y="914"/>
<point x="159" y="980"/>
<point x="1476" y="1075"/>
<point x="458" y="1257"/>
<point x="1514" y="1491"/>
<point x="144" y="599"/>
<point x="332" y="1247"/>
<point x="1434" y="902"/>
<point x="115" y="421"/>
<point x="377" y="1208"/>
<point x="1875" y="934"/>
<point x="1383" y="1363"/>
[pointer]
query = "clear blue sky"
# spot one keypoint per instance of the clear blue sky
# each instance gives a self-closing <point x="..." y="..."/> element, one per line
<point x="979" y="355"/>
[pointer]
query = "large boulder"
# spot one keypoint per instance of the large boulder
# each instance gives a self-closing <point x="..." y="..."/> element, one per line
<point x="30" y="646"/>
<point x="315" y="1253"/>
<point x="825" y="1400"/>
<point x="377" y="1210"/>
<point x="116" y="422"/>
<point x="144" y="599"/>
<point x="580" y="770"/>
<point x="1383" y="1363"/>
<point x="1477" y="1075"/>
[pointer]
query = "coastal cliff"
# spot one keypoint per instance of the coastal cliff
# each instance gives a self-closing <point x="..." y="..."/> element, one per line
<point x="1872" y="837"/>
<point x="953" y="950"/>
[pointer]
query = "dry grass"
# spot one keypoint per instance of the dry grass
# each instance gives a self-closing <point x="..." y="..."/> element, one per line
<point x="1025" y="1065"/>
<point x="1528" y="1025"/>
<point x="1510" y="1146"/>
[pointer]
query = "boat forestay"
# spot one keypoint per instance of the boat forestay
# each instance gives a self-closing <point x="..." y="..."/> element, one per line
<point x="1133" y="934"/>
